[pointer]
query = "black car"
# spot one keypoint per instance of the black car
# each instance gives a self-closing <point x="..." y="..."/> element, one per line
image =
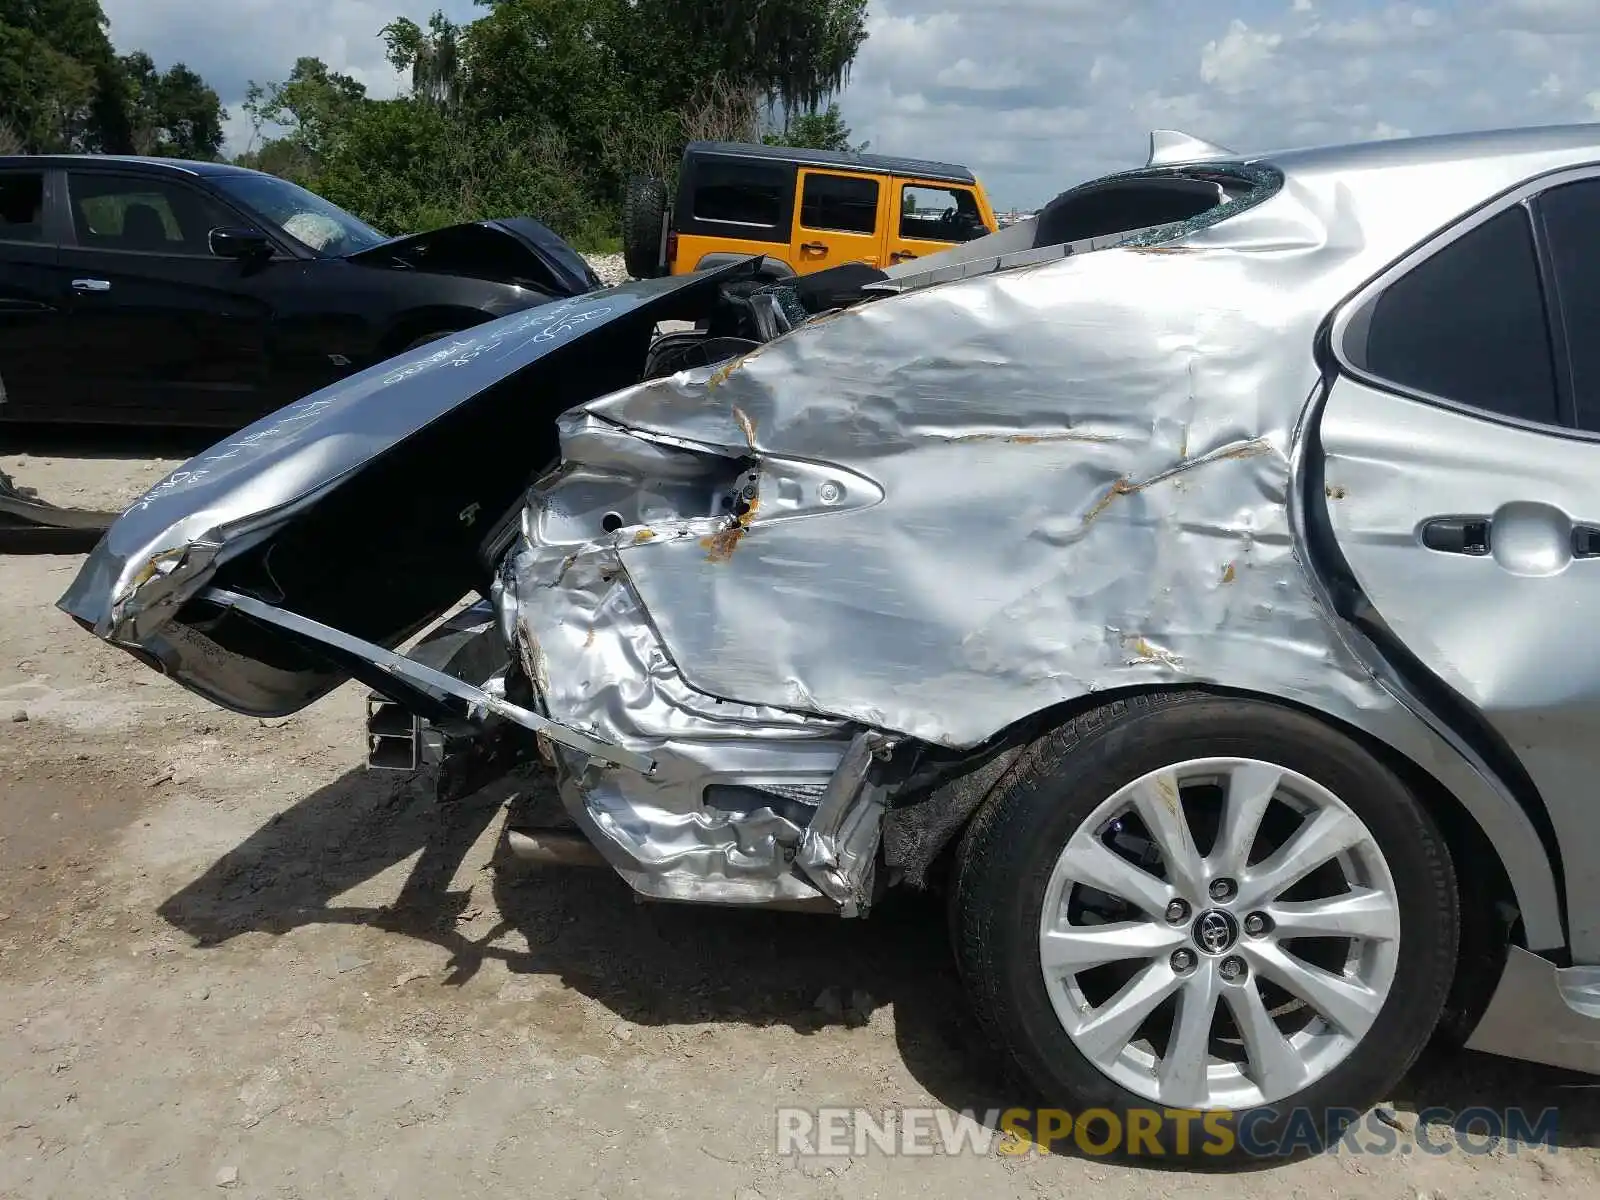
<point x="143" y="290"/>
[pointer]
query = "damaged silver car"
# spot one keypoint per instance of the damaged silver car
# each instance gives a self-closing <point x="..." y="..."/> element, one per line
<point x="1194" y="580"/>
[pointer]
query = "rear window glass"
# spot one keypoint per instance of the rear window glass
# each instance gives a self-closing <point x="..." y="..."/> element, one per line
<point x="1153" y="205"/>
<point x="1468" y="324"/>
<point x="741" y="193"/>
<point x="22" y="207"/>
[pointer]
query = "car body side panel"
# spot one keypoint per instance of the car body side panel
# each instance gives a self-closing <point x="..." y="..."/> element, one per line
<point x="985" y="512"/>
<point x="1509" y="632"/>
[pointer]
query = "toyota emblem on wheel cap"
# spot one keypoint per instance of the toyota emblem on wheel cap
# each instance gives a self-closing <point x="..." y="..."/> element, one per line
<point x="1213" y="932"/>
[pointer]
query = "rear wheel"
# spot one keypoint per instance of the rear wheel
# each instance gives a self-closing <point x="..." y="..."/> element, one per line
<point x="644" y="208"/>
<point x="1206" y="904"/>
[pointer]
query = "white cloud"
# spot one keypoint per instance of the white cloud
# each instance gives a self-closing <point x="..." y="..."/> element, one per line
<point x="1230" y="62"/>
<point x="1037" y="95"/>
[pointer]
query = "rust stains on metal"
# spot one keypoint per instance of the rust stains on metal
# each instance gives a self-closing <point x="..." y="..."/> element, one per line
<point x="643" y="536"/>
<point x="720" y="546"/>
<point x="531" y="655"/>
<point x="589" y="641"/>
<point x="1120" y="488"/>
<point x="1253" y="448"/>
<point x="1334" y="492"/>
<point x="720" y="376"/>
<point x="1228" y="573"/>
<point x="746" y="425"/>
<point x="1147" y="653"/>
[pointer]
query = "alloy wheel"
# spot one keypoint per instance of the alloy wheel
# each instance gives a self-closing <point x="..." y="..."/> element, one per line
<point x="1219" y="934"/>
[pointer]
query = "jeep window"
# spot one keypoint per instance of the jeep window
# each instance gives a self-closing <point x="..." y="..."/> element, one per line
<point x="930" y="214"/>
<point x="1467" y="324"/>
<point x="741" y="193"/>
<point x="841" y="203"/>
<point x="1571" y="215"/>
<point x="22" y="206"/>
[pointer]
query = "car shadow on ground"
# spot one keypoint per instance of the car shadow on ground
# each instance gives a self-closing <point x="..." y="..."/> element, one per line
<point x="666" y="965"/>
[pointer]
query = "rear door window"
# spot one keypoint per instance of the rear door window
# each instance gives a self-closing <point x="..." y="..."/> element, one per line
<point x="736" y="193"/>
<point x="841" y="203"/>
<point x="1571" y="216"/>
<point x="22" y="206"/>
<point x="1468" y="324"/>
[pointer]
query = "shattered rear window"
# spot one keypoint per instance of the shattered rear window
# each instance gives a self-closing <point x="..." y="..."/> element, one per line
<point x="1154" y="205"/>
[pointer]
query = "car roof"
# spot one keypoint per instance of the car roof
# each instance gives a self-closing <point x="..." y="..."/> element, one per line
<point x="878" y="164"/>
<point x="175" y="166"/>
<point x="1577" y="141"/>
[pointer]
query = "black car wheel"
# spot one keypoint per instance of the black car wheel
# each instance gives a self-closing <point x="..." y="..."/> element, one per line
<point x="1202" y="903"/>
<point x="644" y="207"/>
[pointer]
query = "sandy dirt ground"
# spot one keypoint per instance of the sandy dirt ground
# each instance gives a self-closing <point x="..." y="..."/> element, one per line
<point x="231" y="959"/>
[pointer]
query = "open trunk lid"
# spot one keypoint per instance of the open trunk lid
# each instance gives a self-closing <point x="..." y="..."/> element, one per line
<point x="363" y="506"/>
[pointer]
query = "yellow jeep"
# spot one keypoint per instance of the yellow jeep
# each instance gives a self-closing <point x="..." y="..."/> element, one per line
<point x="805" y="210"/>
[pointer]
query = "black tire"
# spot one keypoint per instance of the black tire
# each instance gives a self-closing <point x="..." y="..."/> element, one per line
<point x="644" y="205"/>
<point x="1009" y="850"/>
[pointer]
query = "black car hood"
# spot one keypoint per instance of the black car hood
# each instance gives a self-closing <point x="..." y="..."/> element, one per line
<point x="515" y="250"/>
<point x="364" y="506"/>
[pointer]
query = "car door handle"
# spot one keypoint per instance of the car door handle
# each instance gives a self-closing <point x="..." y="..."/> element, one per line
<point x="901" y="255"/>
<point x="814" y="247"/>
<point x="1457" y="535"/>
<point x="91" y="285"/>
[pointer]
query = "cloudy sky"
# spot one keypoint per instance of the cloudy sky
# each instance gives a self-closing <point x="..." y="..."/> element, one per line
<point x="1039" y="94"/>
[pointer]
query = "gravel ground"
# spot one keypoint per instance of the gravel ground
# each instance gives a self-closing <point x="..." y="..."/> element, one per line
<point x="231" y="958"/>
<point x="609" y="267"/>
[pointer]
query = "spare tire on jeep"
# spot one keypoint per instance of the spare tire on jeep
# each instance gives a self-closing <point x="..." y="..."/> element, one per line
<point x="644" y="205"/>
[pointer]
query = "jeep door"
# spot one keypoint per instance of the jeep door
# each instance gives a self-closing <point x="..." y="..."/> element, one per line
<point x="839" y="219"/>
<point x="927" y="217"/>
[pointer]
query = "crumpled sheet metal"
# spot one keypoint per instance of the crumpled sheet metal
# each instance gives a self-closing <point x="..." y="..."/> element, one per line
<point x="236" y="494"/>
<point x="1063" y="511"/>
<point x="586" y="642"/>
<point x="1083" y="478"/>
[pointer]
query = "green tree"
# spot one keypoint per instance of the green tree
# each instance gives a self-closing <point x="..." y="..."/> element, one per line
<point x="60" y="87"/>
<point x="175" y="115"/>
<point x="823" y="130"/>
<point x="434" y="57"/>
<point x="314" y="104"/>
<point x="545" y="106"/>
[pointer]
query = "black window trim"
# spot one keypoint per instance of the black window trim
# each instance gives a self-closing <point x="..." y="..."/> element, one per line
<point x="877" y="182"/>
<point x="213" y="196"/>
<point x="1356" y="309"/>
